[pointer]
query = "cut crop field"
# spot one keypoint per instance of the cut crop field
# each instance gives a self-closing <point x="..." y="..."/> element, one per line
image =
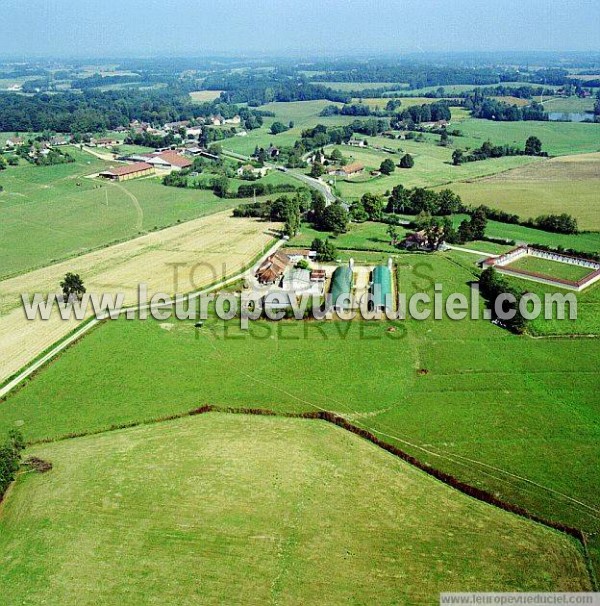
<point x="252" y="505"/>
<point x="558" y="138"/>
<point x="65" y="214"/>
<point x="178" y="259"/>
<point x="205" y="96"/>
<point x="566" y="184"/>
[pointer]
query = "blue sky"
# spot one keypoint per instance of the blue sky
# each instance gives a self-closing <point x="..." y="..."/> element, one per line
<point x="193" y="27"/>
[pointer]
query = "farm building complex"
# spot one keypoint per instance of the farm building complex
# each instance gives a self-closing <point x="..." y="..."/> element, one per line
<point x="130" y="171"/>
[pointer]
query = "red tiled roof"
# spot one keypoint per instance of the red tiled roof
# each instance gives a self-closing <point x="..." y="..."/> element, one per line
<point x="120" y="171"/>
<point x="175" y="159"/>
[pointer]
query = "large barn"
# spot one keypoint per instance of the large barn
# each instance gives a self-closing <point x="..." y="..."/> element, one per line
<point x="129" y="171"/>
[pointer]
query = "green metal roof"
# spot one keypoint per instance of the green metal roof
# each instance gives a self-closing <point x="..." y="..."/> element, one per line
<point x="381" y="288"/>
<point x="341" y="283"/>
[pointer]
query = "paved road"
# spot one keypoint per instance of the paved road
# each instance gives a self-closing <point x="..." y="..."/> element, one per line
<point x="313" y="183"/>
<point x="29" y="370"/>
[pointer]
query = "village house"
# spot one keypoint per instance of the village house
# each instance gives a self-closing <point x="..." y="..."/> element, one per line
<point x="14" y="142"/>
<point x="357" y="143"/>
<point x="253" y="170"/>
<point x="272" y="151"/>
<point x="300" y="254"/>
<point x="59" y="140"/>
<point x="106" y="142"/>
<point x="349" y="170"/>
<point x="235" y="120"/>
<point x="273" y="268"/>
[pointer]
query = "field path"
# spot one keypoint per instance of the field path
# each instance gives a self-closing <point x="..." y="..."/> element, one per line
<point x="180" y="259"/>
<point x="136" y="203"/>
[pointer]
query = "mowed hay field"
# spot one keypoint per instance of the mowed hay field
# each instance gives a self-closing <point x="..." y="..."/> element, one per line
<point x="568" y="184"/>
<point x="206" y="250"/>
<point x="239" y="509"/>
<point x="65" y="214"/>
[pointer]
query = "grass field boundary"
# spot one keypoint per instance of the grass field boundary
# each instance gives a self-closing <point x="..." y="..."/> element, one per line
<point x="84" y="327"/>
<point x="334" y="419"/>
<point x="140" y="234"/>
<point x="43" y="353"/>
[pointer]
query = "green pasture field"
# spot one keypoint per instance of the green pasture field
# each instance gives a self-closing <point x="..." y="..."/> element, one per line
<point x="360" y="236"/>
<point x="548" y="187"/>
<point x="433" y="166"/>
<point x="558" y="138"/>
<point x="253" y="506"/>
<point x="569" y="105"/>
<point x="380" y="102"/>
<point x="304" y="114"/>
<point x="352" y="86"/>
<point x="62" y="218"/>
<point x="453" y="89"/>
<point x="583" y="242"/>
<point x="515" y="415"/>
<point x="553" y="269"/>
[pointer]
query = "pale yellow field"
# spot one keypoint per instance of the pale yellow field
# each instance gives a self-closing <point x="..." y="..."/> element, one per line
<point x="206" y="250"/>
<point x="202" y="96"/>
<point x="567" y="184"/>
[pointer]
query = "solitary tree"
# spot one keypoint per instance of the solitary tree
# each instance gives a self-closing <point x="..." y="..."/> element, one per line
<point x="407" y="161"/>
<point x="392" y="232"/>
<point x="457" y="157"/>
<point x="72" y="286"/>
<point x="533" y="146"/>
<point x="387" y="167"/>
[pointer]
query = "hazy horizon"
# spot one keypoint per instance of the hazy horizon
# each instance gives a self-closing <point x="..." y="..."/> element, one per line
<point x="70" y="28"/>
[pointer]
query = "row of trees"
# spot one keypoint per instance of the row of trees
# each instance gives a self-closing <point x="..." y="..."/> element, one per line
<point x="493" y="109"/>
<point x="404" y="200"/>
<point x="10" y="459"/>
<point x="96" y="111"/>
<point x="533" y="147"/>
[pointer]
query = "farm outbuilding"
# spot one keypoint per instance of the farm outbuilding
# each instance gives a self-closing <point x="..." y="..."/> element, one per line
<point x="341" y="287"/>
<point x="130" y="171"/>
<point x="381" y="287"/>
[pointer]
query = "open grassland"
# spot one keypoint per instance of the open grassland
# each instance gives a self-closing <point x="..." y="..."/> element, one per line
<point x="558" y="138"/>
<point x="360" y="236"/>
<point x="64" y="214"/>
<point x="553" y="269"/>
<point x="433" y="166"/>
<point x="204" y="96"/>
<point x="567" y="184"/>
<point x="515" y="415"/>
<point x="304" y="114"/>
<point x="569" y="105"/>
<point x="221" y="507"/>
<point x="352" y="86"/>
<point x="380" y="102"/>
<point x="178" y="259"/>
